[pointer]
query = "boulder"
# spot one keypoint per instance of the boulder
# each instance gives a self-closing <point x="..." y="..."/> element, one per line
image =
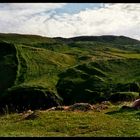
<point x="31" y="115"/>
<point x="80" y="106"/>
<point x="136" y="104"/>
<point x="62" y="108"/>
<point x="51" y="109"/>
<point x="102" y="107"/>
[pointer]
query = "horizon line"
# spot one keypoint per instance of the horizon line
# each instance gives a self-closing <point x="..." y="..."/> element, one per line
<point x="70" y="37"/>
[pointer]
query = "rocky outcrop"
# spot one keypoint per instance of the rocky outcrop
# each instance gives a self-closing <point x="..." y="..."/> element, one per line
<point x="81" y="107"/>
<point x="136" y="104"/>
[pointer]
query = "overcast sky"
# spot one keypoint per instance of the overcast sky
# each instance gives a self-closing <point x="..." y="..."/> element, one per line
<point x="71" y="19"/>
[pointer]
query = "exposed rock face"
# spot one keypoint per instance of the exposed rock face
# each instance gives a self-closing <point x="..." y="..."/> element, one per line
<point x="81" y="107"/>
<point x="30" y="115"/>
<point x="74" y="107"/>
<point x="136" y="104"/>
<point x="60" y="108"/>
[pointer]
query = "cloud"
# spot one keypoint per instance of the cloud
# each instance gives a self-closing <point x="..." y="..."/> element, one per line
<point x="42" y="19"/>
<point x="15" y="16"/>
<point x="29" y="8"/>
<point x="116" y="19"/>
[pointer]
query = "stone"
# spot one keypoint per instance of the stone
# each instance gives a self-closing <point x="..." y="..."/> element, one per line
<point x="80" y="106"/>
<point x="136" y="104"/>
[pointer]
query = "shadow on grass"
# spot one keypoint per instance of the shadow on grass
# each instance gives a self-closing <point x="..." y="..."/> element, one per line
<point x="122" y="110"/>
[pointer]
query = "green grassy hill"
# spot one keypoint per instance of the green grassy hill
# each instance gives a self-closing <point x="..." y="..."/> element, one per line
<point x="39" y="72"/>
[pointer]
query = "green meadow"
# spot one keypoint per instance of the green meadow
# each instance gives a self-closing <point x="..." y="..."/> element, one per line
<point x="112" y="122"/>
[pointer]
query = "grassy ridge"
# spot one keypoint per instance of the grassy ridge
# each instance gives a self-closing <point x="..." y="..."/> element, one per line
<point x="23" y="38"/>
<point x="42" y="64"/>
<point x="88" y="82"/>
<point x="37" y="74"/>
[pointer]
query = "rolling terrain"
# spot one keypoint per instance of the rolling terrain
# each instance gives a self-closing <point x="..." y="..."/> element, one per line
<point x="40" y="72"/>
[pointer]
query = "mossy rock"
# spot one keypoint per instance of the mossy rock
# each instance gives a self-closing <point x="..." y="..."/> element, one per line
<point x="30" y="98"/>
<point x="124" y="96"/>
<point x="80" y="107"/>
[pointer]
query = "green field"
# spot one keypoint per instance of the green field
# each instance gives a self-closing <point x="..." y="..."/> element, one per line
<point x="111" y="122"/>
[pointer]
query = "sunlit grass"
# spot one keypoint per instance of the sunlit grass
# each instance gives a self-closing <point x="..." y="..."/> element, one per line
<point x="127" y="55"/>
<point x="64" y="123"/>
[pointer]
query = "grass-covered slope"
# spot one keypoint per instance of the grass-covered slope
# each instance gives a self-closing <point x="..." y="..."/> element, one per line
<point x="8" y="65"/>
<point x="39" y="72"/>
<point x="97" y="81"/>
<point x="36" y="77"/>
<point x="24" y="39"/>
<point x="29" y="75"/>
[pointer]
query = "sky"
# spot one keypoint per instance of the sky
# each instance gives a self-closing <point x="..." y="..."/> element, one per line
<point x="71" y="19"/>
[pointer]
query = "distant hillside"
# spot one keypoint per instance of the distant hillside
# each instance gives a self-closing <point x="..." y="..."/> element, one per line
<point x="40" y="72"/>
<point x="122" y="40"/>
<point x="24" y="39"/>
